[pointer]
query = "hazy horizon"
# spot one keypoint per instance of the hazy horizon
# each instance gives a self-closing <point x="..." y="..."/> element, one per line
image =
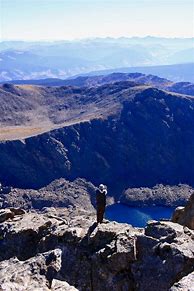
<point x="93" y="38"/>
<point x="48" y="20"/>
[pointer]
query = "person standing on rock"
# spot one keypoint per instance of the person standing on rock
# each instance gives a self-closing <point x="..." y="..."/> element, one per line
<point x="101" y="193"/>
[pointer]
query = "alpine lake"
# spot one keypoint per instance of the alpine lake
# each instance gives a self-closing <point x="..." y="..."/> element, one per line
<point x="137" y="216"/>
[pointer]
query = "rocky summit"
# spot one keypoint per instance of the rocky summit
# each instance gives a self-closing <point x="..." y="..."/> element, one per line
<point x="61" y="249"/>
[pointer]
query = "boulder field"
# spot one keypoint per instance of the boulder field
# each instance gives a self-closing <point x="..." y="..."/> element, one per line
<point x="64" y="249"/>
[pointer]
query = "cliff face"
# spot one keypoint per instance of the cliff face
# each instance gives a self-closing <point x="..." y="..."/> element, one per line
<point x="58" y="245"/>
<point x="148" y="140"/>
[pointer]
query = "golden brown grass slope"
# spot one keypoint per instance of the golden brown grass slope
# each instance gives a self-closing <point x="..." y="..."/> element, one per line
<point x="28" y="110"/>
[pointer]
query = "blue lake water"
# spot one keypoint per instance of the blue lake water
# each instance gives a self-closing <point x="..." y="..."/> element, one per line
<point x="137" y="216"/>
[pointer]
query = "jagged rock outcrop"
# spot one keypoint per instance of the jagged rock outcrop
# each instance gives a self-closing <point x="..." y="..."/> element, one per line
<point x="59" y="193"/>
<point x="165" y="255"/>
<point x="83" y="245"/>
<point x="185" y="215"/>
<point x="164" y="195"/>
<point x="62" y="245"/>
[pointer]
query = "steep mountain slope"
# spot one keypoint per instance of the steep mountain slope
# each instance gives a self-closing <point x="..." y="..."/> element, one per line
<point x="138" y="136"/>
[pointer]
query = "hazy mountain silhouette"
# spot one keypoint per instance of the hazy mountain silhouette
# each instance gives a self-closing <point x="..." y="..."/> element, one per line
<point x="62" y="59"/>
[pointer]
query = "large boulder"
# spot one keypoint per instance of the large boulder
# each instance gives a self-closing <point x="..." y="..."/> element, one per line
<point x="26" y="232"/>
<point x="185" y="215"/>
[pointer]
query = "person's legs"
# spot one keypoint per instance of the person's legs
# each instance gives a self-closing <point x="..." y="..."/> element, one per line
<point x="98" y="214"/>
<point x="102" y="214"/>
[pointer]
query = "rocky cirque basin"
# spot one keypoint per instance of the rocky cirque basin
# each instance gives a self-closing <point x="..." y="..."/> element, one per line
<point x="137" y="134"/>
<point x="61" y="249"/>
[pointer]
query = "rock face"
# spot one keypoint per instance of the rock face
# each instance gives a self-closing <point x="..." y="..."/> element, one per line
<point x="58" y="245"/>
<point x="37" y="273"/>
<point x="185" y="215"/>
<point x="146" y="138"/>
<point x="165" y="255"/>
<point x="158" y="195"/>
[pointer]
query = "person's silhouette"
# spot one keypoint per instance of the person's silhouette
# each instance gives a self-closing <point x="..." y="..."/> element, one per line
<point x="101" y="193"/>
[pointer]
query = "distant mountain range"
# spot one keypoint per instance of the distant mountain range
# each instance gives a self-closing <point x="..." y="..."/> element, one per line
<point x="63" y="59"/>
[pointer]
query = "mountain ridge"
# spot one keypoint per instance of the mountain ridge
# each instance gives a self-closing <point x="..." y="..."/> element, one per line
<point x="37" y="109"/>
<point x="99" y="80"/>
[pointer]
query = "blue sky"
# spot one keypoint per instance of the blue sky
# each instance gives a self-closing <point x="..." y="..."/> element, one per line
<point x="70" y="19"/>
